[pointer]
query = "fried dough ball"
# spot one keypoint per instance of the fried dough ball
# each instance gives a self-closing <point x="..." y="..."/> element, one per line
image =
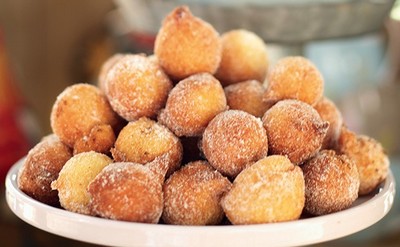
<point x="192" y="195"/>
<point x="79" y="109"/>
<point x="270" y="190"/>
<point x="294" y="78"/>
<point x="144" y="140"/>
<point x="246" y="96"/>
<point x="244" y="57"/>
<point x="136" y="86"/>
<point x="294" y="129"/>
<point x="330" y="113"/>
<point x="100" y="139"/>
<point x="233" y="140"/>
<point x="127" y="191"/>
<point x="105" y="67"/>
<point x="369" y="156"/>
<point x="74" y="178"/>
<point x="41" y="167"/>
<point x="186" y="45"/>
<point x="192" y="103"/>
<point x="331" y="181"/>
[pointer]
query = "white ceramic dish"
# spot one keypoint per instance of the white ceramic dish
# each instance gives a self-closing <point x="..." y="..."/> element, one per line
<point x="365" y="212"/>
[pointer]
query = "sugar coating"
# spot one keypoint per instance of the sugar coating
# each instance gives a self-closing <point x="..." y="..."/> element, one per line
<point x="294" y="78"/>
<point x="127" y="191"/>
<point x="247" y="96"/>
<point x="244" y="57"/>
<point x="332" y="183"/>
<point x="100" y="139"/>
<point x="233" y="140"/>
<point x="143" y="140"/>
<point x="330" y="113"/>
<point x="136" y="86"/>
<point x="77" y="110"/>
<point x="74" y="178"/>
<point x="192" y="195"/>
<point x="105" y="67"/>
<point x="192" y="104"/>
<point x="369" y="156"/>
<point x="270" y="190"/>
<point x="294" y="129"/>
<point x="187" y="45"/>
<point x="41" y="167"/>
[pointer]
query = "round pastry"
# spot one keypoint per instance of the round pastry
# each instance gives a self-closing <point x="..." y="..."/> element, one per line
<point x="270" y="190"/>
<point x="41" y="167"/>
<point x="369" y="156"/>
<point x="136" y="86"/>
<point x="244" y="57"/>
<point x="106" y="66"/>
<point x="331" y="181"/>
<point x="192" y="195"/>
<point x="74" y="178"/>
<point x="79" y="109"/>
<point x="127" y="191"/>
<point x="294" y="129"/>
<point x="144" y="140"/>
<point x="233" y="140"/>
<point x="331" y="114"/>
<point x="192" y="103"/>
<point x="186" y="45"/>
<point x="247" y="96"/>
<point x="294" y="78"/>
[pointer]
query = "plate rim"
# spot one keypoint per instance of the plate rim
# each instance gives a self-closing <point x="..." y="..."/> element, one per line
<point x="20" y="203"/>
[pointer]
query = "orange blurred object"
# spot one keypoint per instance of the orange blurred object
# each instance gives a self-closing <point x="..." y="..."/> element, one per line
<point x="13" y="142"/>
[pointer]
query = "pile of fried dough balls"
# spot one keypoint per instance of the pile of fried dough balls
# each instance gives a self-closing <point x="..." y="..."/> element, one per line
<point x="190" y="136"/>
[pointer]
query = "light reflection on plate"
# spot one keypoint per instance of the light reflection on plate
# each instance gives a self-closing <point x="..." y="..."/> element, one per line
<point x="366" y="211"/>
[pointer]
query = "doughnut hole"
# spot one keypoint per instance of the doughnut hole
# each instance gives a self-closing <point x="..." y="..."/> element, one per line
<point x="270" y="190"/>
<point x="331" y="182"/>
<point x="187" y="45"/>
<point x="294" y="78"/>
<point x="233" y="140"/>
<point x="192" y="195"/>
<point x="244" y="57"/>
<point x="41" y="167"/>
<point x="192" y="104"/>
<point x="294" y="129"/>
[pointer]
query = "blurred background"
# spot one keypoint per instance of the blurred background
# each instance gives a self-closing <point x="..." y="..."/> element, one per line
<point x="46" y="46"/>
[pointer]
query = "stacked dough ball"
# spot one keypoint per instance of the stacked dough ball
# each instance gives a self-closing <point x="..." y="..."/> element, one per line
<point x="190" y="135"/>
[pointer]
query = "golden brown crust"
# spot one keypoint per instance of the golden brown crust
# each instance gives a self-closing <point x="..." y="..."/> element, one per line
<point x="41" y="167"/>
<point x="247" y="96"/>
<point x="244" y="57"/>
<point x="192" y="195"/>
<point x="233" y="140"/>
<point x="192" y="104"/>
<point x="143" y="140"/>
<point x="369" y="156"/>
<point x="186" y="45"/>
<point x="77" y="110"/>
<point x="330" y="113"/>
<point x="136" y="86"/>
<point x="332" y="183"/>
<point x="100" y="139"/>
<point x="105" y="67"/>
<point x="294" y="78"/>
<point x="74" y="178"/>
<point x="294" y="129"/>
<point x="271" y="190"/>
<point x="127" y="191"/>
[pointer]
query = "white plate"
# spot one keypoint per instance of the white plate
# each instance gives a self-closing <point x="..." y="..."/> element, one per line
<point x="365" y="212"/>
